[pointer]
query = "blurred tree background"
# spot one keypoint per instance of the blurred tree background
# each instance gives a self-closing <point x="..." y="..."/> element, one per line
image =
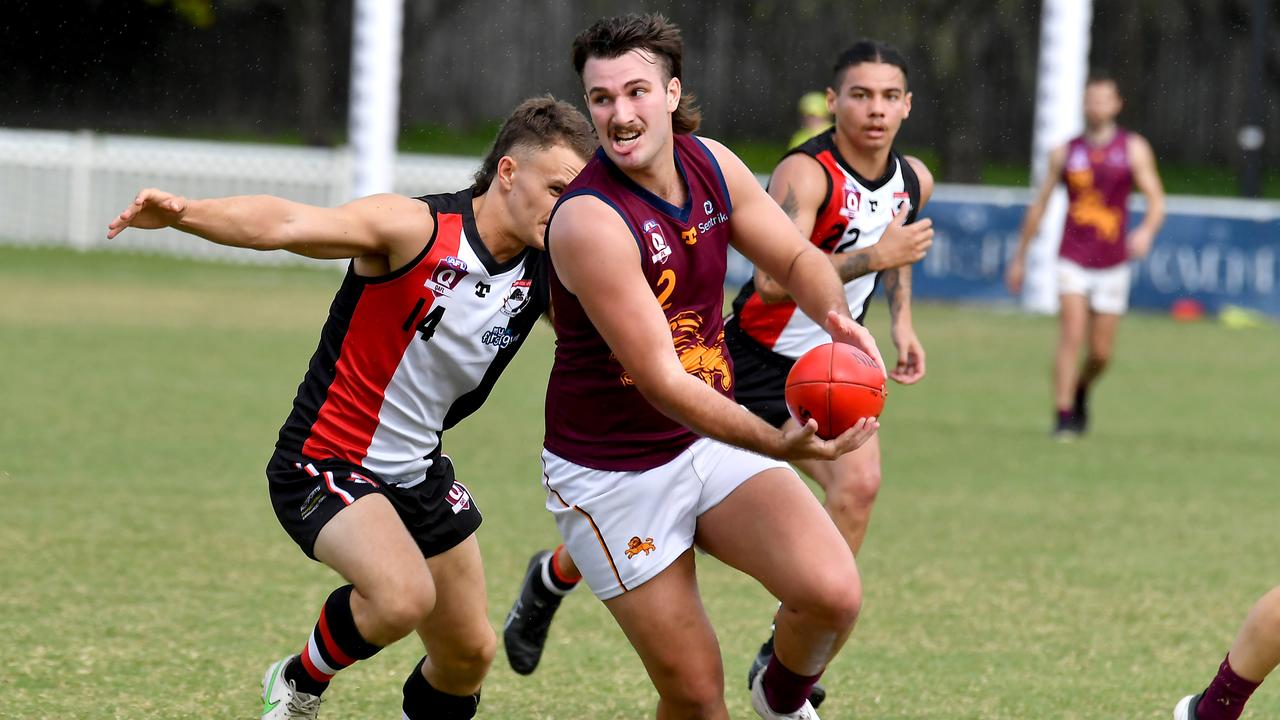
<point x="278" y="71"/>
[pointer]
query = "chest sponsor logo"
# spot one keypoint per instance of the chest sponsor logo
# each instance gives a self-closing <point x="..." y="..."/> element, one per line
<point x="658" y="248"/>
<point x="690" y="236"/>
<point x="713" y="219"/>
<point x="499" y="337"/>
<point x="852" y="201"/>
<point x="448" y="273"/>
<point x="482" y="288"/>
<point x="458" y="497"/>
<point x="708" y="208"/>
<point x="517" y="297"/>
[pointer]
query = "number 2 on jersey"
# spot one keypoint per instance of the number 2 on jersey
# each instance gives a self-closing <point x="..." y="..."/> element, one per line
<point x="850" y="239"/>
<point x="666" y="286"/>
<point x="427" y="326"/>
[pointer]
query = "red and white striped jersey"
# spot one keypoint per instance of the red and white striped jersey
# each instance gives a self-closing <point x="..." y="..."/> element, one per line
<point x="852" y="216"/>
<point x="406" y="355"/>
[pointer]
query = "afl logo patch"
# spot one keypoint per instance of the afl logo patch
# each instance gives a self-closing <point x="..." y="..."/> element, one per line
<point x="517" y="297"/>
<point x="448" y="273"/>
<point x="657" y="244"/>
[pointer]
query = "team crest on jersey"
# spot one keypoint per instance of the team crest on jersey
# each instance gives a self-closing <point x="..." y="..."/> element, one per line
<point x="448" y="273"/>
<point x="706" y="362"/>
<point x="852" y="201"/>
<point x="901" y="202"/>
<point x="517" y="297"/>
<point x="657" y="244"/>
<point x="458" y="498"/>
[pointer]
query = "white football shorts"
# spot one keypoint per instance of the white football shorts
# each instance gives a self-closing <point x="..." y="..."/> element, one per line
<point x="623" y="528"/>
<point x="1107" y="289"/>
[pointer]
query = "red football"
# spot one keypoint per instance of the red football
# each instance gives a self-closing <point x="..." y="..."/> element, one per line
<point x="837" y="385"/>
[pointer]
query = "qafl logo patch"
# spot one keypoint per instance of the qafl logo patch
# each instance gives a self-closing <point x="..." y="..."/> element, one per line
<point x="448" y="273"/>
<point x="458" y="498"/>
<point x="658" y="247"/>
<point x="852" y="201"/>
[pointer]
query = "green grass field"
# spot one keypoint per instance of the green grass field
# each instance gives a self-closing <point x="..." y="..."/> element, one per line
<point x="1007" y="577"/>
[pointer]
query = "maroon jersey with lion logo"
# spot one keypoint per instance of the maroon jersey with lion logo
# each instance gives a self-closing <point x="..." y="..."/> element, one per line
<point x="595" y="416"/>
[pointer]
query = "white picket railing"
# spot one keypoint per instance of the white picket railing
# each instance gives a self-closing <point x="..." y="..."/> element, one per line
<point x="62" y="188"/>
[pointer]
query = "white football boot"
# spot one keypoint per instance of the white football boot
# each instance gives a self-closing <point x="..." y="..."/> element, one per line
<point x="1186" y="708"/>
<point x="282" y="701"/>
<point x="761" y="705"/>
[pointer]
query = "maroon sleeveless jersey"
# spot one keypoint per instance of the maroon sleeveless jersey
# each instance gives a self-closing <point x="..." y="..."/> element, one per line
<point x="595" y="416"/>
<point x="1099" y="180"/>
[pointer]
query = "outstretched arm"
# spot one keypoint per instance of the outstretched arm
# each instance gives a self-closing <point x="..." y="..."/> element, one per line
<point x="585" y="236"/>
<point x="388" y="225"/>
<point x="1035" y="213"/>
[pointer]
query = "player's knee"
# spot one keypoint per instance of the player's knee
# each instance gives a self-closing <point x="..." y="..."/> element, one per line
<point x="860" y="489"/>
<point x="833" y="598"/>
<point x="401" y="607"/>
<point x="1267" y="617"/>
<point x="696" y="695"/>
<point x="1099" y="357"/>
<point x="468" y="661"/>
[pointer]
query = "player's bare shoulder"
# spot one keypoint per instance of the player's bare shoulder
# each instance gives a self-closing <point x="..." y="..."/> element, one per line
<point x="576" y="218"/>
<point x="393" y="219"/>
<point x="923" y="175"/>
<point x="1139" y="149"/>
<point x="583" y="230"/>
<point x="735" y="171"/>
<point x="799" y="183"/>
<point x="394" y="227"/>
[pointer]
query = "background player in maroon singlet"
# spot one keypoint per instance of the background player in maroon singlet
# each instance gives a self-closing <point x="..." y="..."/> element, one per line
<point x="1253" y="656"/>
<point x="636" y="465"/>
<point x="1100" y="169"/>
<point x="358" y="479"/>
<point x="857" y="199"/>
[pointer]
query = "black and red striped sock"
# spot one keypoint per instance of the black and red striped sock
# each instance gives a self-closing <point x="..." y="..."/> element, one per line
<point x="335" y="643"/>
<point x="554" y="578"/>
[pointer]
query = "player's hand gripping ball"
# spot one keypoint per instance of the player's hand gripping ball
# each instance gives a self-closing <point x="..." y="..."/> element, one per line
<point x="837" y="385"/>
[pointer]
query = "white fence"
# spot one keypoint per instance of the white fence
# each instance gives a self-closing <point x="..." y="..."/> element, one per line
<point x="61" y="189"/>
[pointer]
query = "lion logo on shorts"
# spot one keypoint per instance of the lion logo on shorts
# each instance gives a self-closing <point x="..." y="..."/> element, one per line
<point x="708" y="364"/>
<point x="635" y="546"/>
